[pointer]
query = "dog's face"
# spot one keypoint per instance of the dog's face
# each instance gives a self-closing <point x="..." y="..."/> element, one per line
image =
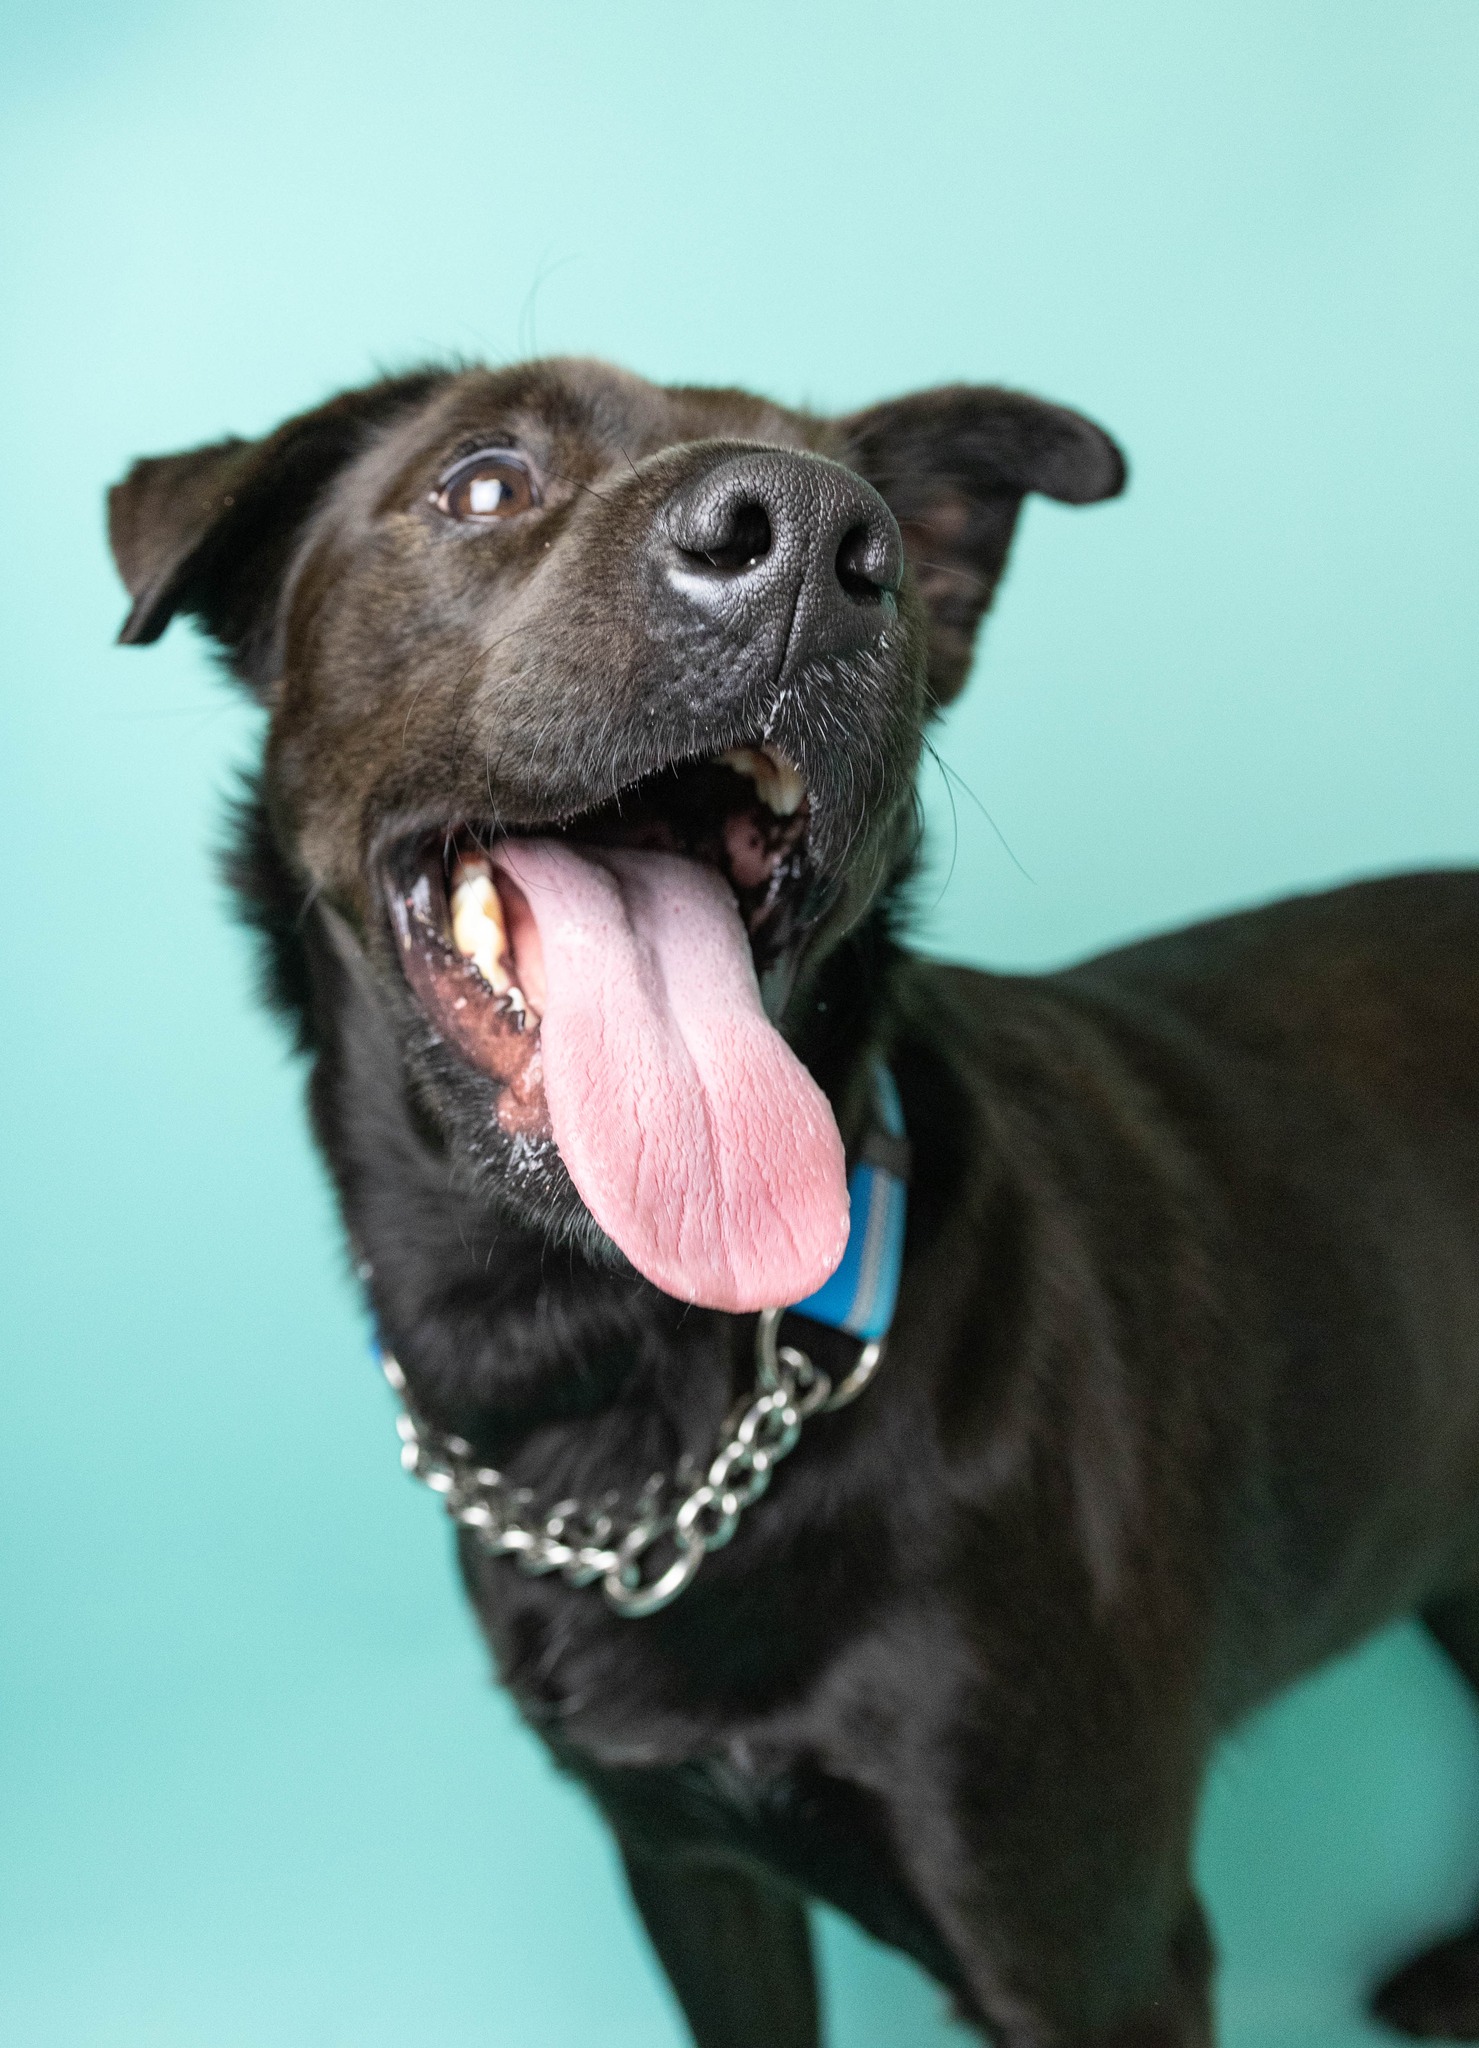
<point x="595" y="709"/>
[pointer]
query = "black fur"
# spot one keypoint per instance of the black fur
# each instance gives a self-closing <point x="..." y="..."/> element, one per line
<point x="1183" y="1391"/>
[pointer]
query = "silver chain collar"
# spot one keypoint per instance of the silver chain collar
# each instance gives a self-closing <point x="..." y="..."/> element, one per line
<point x="584" y="1543"/>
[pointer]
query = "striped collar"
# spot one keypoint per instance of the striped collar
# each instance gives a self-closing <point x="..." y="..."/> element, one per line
<point x="860" y="1296"/>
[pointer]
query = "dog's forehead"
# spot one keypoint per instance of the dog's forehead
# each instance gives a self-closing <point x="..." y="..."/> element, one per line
<point x="575" y="407"/>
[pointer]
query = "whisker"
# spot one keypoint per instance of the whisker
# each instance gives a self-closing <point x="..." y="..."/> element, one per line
<point x="580" y="484"/>
<point x="948" y="569"/>
<point x="953" y="775"/>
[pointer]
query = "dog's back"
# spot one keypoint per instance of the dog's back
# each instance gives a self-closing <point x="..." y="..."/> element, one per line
<point x="1372" y="988"/>
<point x="1280" y="1110"/>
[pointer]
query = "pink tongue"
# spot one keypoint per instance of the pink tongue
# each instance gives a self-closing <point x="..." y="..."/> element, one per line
<point x="694" y="1135"/>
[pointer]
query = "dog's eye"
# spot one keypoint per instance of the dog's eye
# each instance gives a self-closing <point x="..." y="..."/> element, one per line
<point x="493" y="484"/>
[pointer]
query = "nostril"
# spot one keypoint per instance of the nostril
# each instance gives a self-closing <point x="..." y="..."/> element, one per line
<point x="861" y="569"/>
<point x="745" y="541"/>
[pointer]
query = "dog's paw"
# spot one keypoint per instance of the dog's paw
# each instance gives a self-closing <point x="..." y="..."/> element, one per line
<point x="1435" y="1997"/>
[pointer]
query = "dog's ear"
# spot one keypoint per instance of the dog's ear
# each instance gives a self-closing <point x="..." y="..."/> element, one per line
<point x="212" y="532"/>
<point x="954" y="465"/>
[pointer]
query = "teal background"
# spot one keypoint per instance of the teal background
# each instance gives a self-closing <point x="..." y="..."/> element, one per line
<point x="256" y="1788"/>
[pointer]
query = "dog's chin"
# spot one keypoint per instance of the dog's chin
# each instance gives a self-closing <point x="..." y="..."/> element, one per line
<point x="521" y="1180"/>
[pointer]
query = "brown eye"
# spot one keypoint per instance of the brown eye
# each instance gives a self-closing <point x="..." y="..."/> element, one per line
<point x="493" y="484"/>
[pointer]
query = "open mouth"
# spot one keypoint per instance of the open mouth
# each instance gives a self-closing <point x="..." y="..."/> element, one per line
<point x="742" y="814"/>
<point x="606" y="972"/>
<point x="471" y="945"/>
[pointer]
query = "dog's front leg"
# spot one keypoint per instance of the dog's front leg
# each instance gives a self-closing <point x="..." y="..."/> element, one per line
<point x="1063" y="1940"/>
<point x="737" y="1950"/>
<point x="1170" y="2007"/>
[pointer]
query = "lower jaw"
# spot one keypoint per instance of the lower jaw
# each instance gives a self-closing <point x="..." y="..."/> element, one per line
<point x="496" y="1030"/>
<point x="499" y="1038"/>
<point x="685" y="1134"/>
<point x="495" y="1038"/>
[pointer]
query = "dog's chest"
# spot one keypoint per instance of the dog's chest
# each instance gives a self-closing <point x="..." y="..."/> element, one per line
<point x="612" y="1693"/>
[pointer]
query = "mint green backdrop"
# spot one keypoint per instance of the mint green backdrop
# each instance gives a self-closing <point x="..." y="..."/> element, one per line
<point x="257" y="1790"/>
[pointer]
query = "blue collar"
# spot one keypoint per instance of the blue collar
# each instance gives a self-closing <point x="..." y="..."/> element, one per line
<point x="860" y="1296"/>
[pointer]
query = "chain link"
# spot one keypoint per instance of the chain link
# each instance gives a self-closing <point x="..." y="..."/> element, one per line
<point x="585" y="1544"/>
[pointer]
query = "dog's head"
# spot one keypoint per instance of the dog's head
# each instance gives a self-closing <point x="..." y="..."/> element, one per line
<point x="595" y="709"/>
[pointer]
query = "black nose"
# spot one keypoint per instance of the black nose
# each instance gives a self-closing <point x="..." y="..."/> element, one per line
<point x="764" y="535"/>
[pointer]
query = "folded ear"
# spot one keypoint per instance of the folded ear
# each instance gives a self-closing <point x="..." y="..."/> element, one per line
<point x="212" y="532"/>
<point x="954" y="465"/>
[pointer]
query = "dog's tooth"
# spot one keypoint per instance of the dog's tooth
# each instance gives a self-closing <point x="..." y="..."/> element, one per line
<point x="778" y="784"/>
<point x="471" y="867"/>
<point x="745" y="761"/>
<point x="478" y="930"/>
<point x="787" y="787"/>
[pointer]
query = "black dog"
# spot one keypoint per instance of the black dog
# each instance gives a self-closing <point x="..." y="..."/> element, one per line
<point x="578" y="852"/>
